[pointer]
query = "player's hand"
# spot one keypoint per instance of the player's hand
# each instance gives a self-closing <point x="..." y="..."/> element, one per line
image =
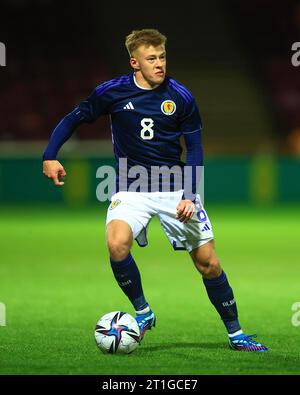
<point x="53" y="169"/>
<point x="185" y="210"/>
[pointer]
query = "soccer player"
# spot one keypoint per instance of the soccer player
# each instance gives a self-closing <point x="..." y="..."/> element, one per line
<point x="149" y="113"/>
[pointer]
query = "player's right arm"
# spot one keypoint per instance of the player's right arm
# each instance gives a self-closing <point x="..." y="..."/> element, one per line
<point x="87" y="112"/>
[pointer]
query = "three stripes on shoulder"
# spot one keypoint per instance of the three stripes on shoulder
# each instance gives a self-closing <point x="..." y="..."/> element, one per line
<point x="129" y="106"/>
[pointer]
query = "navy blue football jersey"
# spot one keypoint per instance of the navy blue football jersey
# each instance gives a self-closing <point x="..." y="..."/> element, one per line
<point x="146" y="123"/>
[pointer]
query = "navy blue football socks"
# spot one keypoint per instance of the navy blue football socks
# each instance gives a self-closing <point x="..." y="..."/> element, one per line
<point x="128" y="277"/>
<point x="221" y="296"/>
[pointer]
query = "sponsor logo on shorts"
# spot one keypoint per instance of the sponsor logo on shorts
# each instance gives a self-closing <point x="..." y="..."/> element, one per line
<point x="168" y="107"/>
<point x="206" y="227"/>
<point x="201" y="215"/>
<point x="114" y="204"/>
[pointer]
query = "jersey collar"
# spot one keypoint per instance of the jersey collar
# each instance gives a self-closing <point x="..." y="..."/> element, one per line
<point x="139" y="86"/>
<point x="134" y="82"/>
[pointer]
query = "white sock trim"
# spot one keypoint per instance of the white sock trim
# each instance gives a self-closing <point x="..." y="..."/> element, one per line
<point x="240" y="332"/>
<point x="144" y="311"/>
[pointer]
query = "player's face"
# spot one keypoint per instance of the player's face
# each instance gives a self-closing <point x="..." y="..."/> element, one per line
<point x="149" y="64"/>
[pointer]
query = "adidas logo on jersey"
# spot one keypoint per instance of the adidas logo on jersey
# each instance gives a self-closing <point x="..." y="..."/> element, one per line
<point x="129" y="106"/>
<point x="206" y="227"/>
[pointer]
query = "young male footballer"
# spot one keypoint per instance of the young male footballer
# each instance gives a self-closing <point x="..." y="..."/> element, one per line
<point x="149" y="113"/>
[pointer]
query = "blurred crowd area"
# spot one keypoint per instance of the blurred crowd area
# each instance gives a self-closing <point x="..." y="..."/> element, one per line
<point x="53" y="62"/>
<point x="31" y="106"/>
<point x="269" y="29"/>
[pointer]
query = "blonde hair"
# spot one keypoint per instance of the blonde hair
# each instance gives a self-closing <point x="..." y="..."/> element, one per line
<point x="145" y="37"/>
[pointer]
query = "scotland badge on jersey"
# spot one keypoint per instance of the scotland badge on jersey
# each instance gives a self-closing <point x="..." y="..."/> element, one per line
<point x="168" y="107"/>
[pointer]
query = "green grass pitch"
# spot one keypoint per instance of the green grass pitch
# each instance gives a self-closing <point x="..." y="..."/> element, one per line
<point x="56" y="282"/>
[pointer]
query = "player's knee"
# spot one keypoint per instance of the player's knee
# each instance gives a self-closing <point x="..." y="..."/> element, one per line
<point x="206" y="261"/>
<point x="118" y="248"/>
<point x="208" y="266"/>
<point x="119" y="239"/>
<point x="211" y="270"/>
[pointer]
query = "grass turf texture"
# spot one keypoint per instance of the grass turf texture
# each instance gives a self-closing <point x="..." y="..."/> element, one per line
<point x="56" y="282"/>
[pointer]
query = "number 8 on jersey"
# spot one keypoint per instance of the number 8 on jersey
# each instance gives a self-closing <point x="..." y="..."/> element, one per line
<point x="147" y="132"/>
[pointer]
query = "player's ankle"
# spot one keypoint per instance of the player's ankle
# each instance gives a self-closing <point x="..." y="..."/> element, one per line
<point x="237" y="333"/>
<point x="143" y="311"/>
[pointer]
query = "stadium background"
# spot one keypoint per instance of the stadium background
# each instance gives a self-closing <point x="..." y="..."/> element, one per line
<point x="236" y="59"/>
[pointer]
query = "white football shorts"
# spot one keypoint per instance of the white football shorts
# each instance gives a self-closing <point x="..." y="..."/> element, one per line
<point x="137" y="209"/>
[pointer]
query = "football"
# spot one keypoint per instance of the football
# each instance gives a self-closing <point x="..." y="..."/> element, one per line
<point x="117" y="332"/>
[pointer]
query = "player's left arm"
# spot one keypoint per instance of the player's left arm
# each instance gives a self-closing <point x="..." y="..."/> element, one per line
<point x="191" y="127"/>
<point x="185" y="210"/>
<point x="186" y="207"/>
